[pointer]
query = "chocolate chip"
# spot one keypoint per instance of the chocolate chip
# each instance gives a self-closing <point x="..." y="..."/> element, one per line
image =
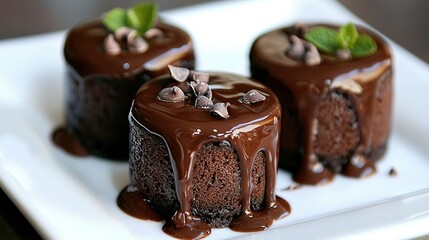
<point x="220" y="109"/>
<point x="201" y="89"/>
<point x="200" y="76"/>
<point x="111" y="46"/>
<point x="203" y="102"/>
<point x="131" y="37"/>
<point x="122" y="33"/>
<point x="139" y="45"/>
<point x="186" y="88"/>
<point x="171" y="94"/>
<point x="300" y="49"/>
<point x="252" y="96"/>
<point x="312" y="56"/>
<point x="296" y="48"/>
<point x="299" y="29"/>
<point x="178" y="73"/>
<point x="153" y="32"/>
<point x="343" y="54"/>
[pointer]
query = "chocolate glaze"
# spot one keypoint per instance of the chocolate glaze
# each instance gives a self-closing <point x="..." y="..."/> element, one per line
<point x="83" y="52"/>
<point x="360" y="78"/>
<point x="101" y="87"/>
<point x="184" y="128"/>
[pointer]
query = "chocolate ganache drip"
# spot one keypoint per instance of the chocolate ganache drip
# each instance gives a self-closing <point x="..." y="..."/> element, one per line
<point x="251" y="126"/>
<point x="358" y="78"/>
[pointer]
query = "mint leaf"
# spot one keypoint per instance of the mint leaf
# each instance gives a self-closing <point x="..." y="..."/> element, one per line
<point x="364" y="46"/>
<point x="142" y="17"/>
<point x="325" y="39"/>
<point x="115" y="19"/>
<point x="347" y="35"/>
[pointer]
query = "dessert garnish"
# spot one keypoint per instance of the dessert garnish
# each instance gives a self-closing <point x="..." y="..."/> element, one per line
<point x="200" y="76"/>
<point x="138" y="45"/>
<point x="125" y="33"/>
<point x="296" y="49"/>
<point x="203" y="102"/>
<point x="311" y="56"/>
<point x="133" y="25"/>
<point x="346" y="39"/>
<point x="178" y="73"/>
<point x="141" y="17"/>
<point x="252" y="96"/>
<point x="302" y="50"/>
<point x="198" y="82"/>
<point x="153" y="33"/>
<point x="171" y="94"/>
<point x="343" y="54"/>
<point x="220" y="109"/>
<point x="201" y="89"/>
<point x="298" y="29"/>
<point x="111" y="46"/>
<point x="201" y="92"/>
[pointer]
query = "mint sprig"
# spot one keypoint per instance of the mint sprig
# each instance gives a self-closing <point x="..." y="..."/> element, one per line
<point x="347" y="35"/>
<point x="140" y="17"/>
<point x="364" y="46"/>
<point x="325" y="39"/>
<point x="329" y="41"/>
<point x="115" y="19"/>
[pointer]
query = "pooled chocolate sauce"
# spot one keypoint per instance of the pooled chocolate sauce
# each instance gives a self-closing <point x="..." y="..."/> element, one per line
<point x="100" y="87"/>
<point x="68" y="142"/>
<point x="250" y="128"/>
<point x="135" y="204"/>
<point x="360" y="78"/>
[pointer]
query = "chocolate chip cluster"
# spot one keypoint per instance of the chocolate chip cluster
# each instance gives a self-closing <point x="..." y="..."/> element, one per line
<point x="201" y="91"/>
<point x="134" y="42"/>
<point x="300" y="49"/>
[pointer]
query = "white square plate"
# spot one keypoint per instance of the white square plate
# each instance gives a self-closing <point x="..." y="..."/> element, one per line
<point x="75" y="198"/>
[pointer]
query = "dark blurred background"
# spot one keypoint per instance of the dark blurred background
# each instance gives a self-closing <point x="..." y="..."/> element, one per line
<point x="404" y="21"/>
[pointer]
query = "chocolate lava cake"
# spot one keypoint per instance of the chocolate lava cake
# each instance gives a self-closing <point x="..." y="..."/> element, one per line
<point x="204" y="153"/>
<point x="105" y="68"/>
<point x="336" y="100"/>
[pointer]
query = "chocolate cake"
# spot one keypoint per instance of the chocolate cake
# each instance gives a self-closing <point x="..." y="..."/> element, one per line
<point x="204" y="153"/>
<point x="336" y="105"/>
<point x="105" y="68"/>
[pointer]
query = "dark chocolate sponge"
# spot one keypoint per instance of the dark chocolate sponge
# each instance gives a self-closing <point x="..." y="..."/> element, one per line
<point x="216" y="187"/>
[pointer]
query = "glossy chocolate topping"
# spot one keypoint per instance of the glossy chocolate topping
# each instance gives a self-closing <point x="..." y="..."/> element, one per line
<point x="84" y="48"/>
<point x="250" y="128"/>
<point x="100" y="87"/>
<point x="360" y="78"/>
